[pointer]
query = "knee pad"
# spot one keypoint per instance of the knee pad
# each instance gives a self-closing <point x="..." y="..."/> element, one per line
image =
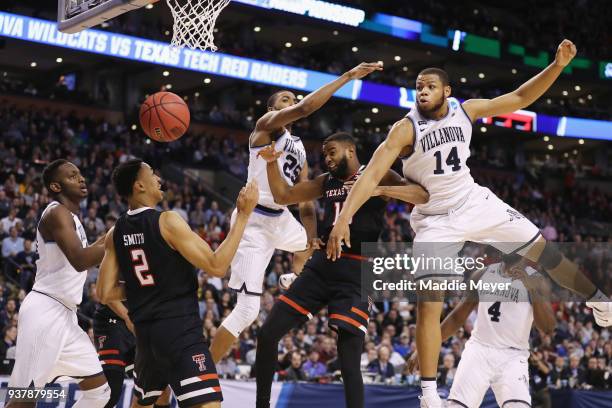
<point x="94" y="398"/>
<point x="550" y="257"/>
<point x="245" y="312"/>
<point x="516" y="404"/>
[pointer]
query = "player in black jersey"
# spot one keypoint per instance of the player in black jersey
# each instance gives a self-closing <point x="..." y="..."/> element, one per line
<point x="116" y="345"/>
<point x="323" y="282"/>
<point x="154" y="254"/>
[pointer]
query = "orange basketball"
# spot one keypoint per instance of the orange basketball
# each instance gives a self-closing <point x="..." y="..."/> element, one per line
<point x="164" y="116"/>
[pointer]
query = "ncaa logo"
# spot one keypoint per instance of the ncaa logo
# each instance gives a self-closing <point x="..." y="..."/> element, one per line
<point x="199" y="359"/>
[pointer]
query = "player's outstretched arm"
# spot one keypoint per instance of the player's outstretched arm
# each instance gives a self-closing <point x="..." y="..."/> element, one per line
<point x="58" y="224"/>
<point x="177" y="233"/>
<point x="275" y="120"/>
<point x="527" y="93"/>
<point x="303" y="191"/>
<point x="108" y="287"/>
<point x="308" y="215"/>
<point x="400" y="136"/>
<point x="539" y="295"/>
<point x="394" y="186"/>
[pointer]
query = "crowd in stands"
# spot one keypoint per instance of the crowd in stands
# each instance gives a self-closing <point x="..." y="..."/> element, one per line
<point x="577" y="355"/>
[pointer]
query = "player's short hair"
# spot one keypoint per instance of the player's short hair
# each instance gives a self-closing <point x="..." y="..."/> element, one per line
<point x="342" y="137"/>
<point x="124" y="176"/>
<point x="49" y="174"/>
<point x="272" y="99"/>
<point x="436" y="71"/>
<point x="511" y="259"/>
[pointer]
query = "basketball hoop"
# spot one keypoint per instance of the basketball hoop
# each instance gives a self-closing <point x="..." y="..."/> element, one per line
<point x="194" y="22"/>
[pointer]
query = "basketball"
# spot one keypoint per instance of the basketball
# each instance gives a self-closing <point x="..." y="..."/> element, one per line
<point x="164" y="116"/>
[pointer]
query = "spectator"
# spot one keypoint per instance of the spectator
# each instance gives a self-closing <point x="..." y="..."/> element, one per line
<point x="448" y="371"/>
<point x="9" y="336"/>
<point x="13" y="244"/>
<point x="594" y="376"/>
<point x="313" y="368"/>
<point x="559" y="376"/>
<point x="214" y="211"/>
<point x="10" y="221"/>
<point x="295" y="372"/>
<point x="538" y="379"/>
<point x="381" y="365"/>
<point x="92" y="216"/>
<point x="26" y="260"/>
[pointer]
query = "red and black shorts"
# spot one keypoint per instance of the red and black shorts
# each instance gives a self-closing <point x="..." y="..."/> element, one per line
<point x="115" y="344"/>
<point x="336" y="285"/>
<point x="173" y="352"/>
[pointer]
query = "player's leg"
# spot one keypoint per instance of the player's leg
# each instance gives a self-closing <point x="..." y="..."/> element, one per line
<point x="511" y="382"/>
<point x="291" y="237"/>
<point x="429" y="342"/>
<point x="164" y="400"/>
<point x="509" y="231"/>
<point x="95" y="392"/>
<point x="305" y="297"/>
<point x="247" y="274"/>
<point x="244" y="313"/>
<point x="150" y="371"/>
<point x="349" y="316"/>
<point x="116" y="348"/>
<point x="473" y="376"/>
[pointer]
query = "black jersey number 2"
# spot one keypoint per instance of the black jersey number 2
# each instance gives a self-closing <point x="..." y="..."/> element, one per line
<point x="291" y="168"/>
<point x="452" y="160"/>
<point x="141" y="267"/>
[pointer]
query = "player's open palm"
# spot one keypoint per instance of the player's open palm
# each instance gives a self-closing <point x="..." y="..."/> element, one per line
<point x="565" y="53"/>
<point x="269" y="154"/>
<point x="363" y="69"/>
<point x="247" y="198"/>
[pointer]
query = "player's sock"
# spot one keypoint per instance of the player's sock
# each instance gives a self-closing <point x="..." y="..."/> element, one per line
<point x="429" y="387"/>
<point x="115" y="381"/>
<point x="277" y="324"/>
<point x="350" y="347"/>
<point x="94" y="398"/>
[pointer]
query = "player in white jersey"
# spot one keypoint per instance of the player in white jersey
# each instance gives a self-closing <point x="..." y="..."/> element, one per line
<point x="272" y="226"/>
<point x="497" y="352"/>
<point x="50" y="343"/>
<point x="434" y="141"/>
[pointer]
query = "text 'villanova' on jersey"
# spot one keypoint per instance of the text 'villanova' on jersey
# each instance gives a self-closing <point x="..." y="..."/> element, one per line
<point x="439" y="158"/>
<point x="159" y="282"/>
<point x="366" y="224"/>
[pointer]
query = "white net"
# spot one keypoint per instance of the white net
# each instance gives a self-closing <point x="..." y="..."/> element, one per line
<point x="194" y="22"/>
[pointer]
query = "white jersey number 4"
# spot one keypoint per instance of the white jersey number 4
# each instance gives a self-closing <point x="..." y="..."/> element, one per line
<point x="141" y="267"/>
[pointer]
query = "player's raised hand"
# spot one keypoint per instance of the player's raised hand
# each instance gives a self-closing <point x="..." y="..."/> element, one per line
<point x="363" y="69"/>
<point x="247" y="198"/>
<point x="565" y="53"/>
<point x="339" y="234"/>
<point x="269" y="154"/>
<point x="412" y="364"/>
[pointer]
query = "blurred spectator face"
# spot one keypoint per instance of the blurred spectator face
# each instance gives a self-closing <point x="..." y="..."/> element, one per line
<point x="559" y="362"/>
<point x="20" y="296"/>
<point x="391" y="330"/>
<point x="383" y="354"/>
<point x="592" y="363"/>
<point x="11" y="334"/>
<point x="449" y="361"/>
<point x="311" y="329"/>
<point x="314" y="356"/>
<point x="11" y="306"/>
<point x="214" y="206"/>
<point x="370" y="346"/>
<point x="601" y="363"/>
<point x="288" y="342"/>
<point x="91" y="213"/>
<point x="296" y="360"/>
<point x="574" y="362"/>
<point x="27" y="245"/>
<point x="372" y="355"/>
<point x="13" y="233"/>
<point x="327" y="344"/>
<point x="405" y="339"/>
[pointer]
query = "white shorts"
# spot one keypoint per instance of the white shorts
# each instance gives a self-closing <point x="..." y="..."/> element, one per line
<point x="50" y="344"/>
<point x="506" y="371"/>
<point x="481" y="218"/>
<point x="264" y="233"/>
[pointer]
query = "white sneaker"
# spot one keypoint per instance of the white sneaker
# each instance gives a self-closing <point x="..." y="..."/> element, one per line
<point x="431" y="401"/>
<point x="286" y="279"/>
<point x="602" y="311"/>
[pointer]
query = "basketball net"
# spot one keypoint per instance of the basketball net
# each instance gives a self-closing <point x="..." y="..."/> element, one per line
<point x="194" y="22"/>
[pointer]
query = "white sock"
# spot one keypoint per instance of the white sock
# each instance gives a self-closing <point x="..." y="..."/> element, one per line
<point x="429" y="387"/>
<point x="599" y="296"/>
